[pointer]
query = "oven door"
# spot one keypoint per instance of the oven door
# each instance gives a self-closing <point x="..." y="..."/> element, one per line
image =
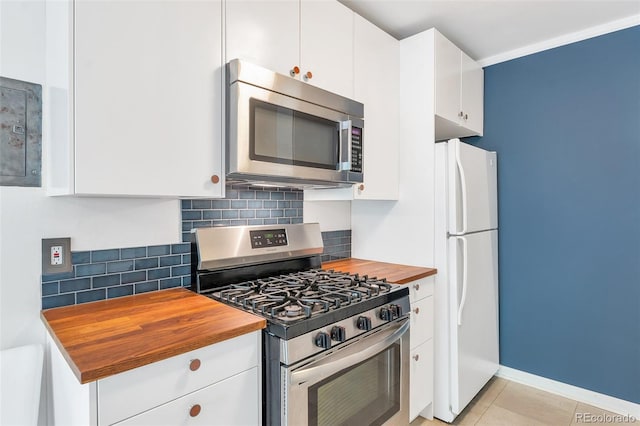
<point x="271" y="135"/>
<point x="364" y="383"/>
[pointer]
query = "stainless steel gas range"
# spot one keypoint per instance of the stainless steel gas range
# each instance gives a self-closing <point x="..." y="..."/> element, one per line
<point x="336" y="346"/>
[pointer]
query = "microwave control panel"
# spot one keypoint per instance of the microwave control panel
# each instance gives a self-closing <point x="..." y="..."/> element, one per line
<point x="356" y="149"/>
<point x="268" y="238"/>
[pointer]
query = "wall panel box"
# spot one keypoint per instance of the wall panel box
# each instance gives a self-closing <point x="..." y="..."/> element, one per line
<point x="20" y="133"/>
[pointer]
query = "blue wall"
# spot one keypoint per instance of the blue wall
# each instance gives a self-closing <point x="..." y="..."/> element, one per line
<point x="566" y="126"/>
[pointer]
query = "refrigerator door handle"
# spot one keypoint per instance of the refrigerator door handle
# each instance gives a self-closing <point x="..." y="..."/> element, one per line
<point x="463" y="190"/>
<point x="463" y="299"/>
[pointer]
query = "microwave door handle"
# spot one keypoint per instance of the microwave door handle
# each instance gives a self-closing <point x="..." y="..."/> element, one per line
<point x="345" y="154"/>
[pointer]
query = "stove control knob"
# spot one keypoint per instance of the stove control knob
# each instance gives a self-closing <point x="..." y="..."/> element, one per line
<point x="363" y="323"/>
<point x="385" y="314"/>
<point x="323" y="340"/>
<point x="338" y="334"/>
<point x="396" y="311"/>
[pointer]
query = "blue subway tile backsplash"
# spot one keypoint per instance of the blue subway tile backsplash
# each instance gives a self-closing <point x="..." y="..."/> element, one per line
<point x="337" y="245"/>
<point x="244" y="205"/>
<point x="116" y="272"/>
<point x="110" y="273"/>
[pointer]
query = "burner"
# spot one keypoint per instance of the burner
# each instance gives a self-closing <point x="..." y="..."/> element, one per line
<point x="293" y="310"/>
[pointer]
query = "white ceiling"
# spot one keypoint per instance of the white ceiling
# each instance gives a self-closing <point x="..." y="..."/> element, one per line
<point x="492" y="31"/>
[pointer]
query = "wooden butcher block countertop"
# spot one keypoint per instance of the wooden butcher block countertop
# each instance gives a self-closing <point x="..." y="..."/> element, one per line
<point x="108" y="337"/>
<point x="399" y="274"/>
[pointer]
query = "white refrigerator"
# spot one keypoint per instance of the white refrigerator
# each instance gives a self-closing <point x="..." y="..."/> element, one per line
<point x="466" y="289"/>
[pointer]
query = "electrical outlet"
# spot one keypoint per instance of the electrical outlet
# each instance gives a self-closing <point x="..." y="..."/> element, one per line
<point x="56" y="255"/>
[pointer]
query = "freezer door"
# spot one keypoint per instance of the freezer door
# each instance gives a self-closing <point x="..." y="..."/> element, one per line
<point x="473" y="307"/>
<point x="472" y="188"/>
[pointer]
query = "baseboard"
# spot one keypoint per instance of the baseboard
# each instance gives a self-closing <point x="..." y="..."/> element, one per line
<point x="586" y="396"/>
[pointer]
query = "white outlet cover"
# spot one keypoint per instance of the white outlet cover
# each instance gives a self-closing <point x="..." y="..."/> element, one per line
<point x="56" y="256"/>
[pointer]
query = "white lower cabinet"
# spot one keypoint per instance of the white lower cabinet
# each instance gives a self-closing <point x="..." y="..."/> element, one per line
<point x="421" y="343"/>
<point x="421" y="374"/>
<point x="220" y="404"/>
<point x="215" y="385"/>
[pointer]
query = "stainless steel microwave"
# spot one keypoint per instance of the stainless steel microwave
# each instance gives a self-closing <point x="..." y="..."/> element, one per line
<point x="281" y="131"/>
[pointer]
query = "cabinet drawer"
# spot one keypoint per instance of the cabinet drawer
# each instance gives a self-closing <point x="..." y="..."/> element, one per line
<point x="231" y="402"/>
<point x="421" y="288"/>
<point x="421" y="378"/>
<point x="126" y="394"/>
<point x="421" y="328"/>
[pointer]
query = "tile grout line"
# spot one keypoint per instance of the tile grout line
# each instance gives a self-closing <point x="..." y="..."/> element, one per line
<point x="490" y="404"/>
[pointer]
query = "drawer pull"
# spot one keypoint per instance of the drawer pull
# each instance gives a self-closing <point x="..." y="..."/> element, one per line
<point x="195" y="410"/>
<point x="194" y="364"/>
<point x="416" y="287"/>
<point x="416" y="357"/>
<point x="416" y="310"/>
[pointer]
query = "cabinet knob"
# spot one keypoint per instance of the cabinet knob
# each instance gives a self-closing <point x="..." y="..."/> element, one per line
<point x="294" y="71"/>
<point x="416" y="357"/>
<point x="466" y="117"/>
<point x="215" y="178"/>
<point x="194" y="364"/>
<point x="195" y="410"/>
<point x="416" y="310"/>
<point x="461" y="114"/>
<point x="361" y="187"/>
<point x="307" y="76"/>
<point x="416" y="287"/>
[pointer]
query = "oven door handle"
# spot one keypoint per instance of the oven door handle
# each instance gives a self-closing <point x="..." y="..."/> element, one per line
<point x="354" y="354"/>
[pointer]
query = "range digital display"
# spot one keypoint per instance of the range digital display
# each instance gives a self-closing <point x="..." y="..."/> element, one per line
<point x="268" y="238"/>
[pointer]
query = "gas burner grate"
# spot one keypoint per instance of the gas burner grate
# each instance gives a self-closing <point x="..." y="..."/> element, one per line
<point x="299" y="295"/>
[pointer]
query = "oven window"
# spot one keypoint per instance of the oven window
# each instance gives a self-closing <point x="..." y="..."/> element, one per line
<point x="365" y="394"/>
<point x="281" y="135"/>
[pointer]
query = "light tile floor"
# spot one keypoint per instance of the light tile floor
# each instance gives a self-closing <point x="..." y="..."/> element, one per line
<point x="505" y="403"/>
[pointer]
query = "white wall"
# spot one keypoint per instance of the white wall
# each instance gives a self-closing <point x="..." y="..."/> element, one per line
<point x="27" y="215"/>
<point x="332" y="215"/>
<point x="402" y="231"/>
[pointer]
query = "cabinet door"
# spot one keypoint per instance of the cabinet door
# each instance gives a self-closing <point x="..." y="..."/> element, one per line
<point x="123" y="395"/>
<point x="326" y="45"/>
<point x="148" y="90"/>
<point x="419" y="289"/>
<point x="376" y="58"/>
<point x="421" y="328"/>
<point x="231" y="402"/>
<point x="447" y="70"/>
<point x="471" y="94"/>
<point x="377" y="86"/>
<point x="263" y="32"/>
<point x="421" y="379"/>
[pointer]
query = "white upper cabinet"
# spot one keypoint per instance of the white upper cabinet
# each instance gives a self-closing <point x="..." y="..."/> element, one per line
<point x="307" y="39"/>
<point x="472" y="93"/>
<point x="377" y="86"/>
<point x="326" y="46"/>
<point x="459" y="92"/>
<point x="140" y="84"/>
<point x="264" y="32"/>
<point x="376" y="59"/>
